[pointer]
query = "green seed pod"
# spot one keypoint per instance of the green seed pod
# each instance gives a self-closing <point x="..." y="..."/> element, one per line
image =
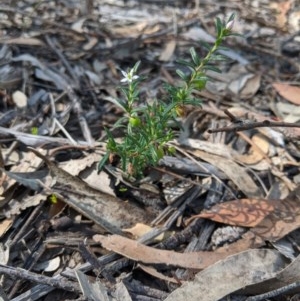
<point x="134" y="121"/>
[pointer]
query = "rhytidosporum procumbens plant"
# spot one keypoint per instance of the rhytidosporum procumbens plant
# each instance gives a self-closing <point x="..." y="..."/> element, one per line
<point x="147" y="128"/>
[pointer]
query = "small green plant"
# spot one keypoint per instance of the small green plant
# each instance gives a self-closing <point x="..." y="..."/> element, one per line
<point x="147" y="128"/>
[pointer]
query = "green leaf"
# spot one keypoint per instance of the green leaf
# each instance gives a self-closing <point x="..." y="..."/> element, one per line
<point x="153" y="153"/>
<point x="219" y="27"/>
<point x="186" y="63"/>
<point x="232" y="16"/>
<point x="195" y="56"/>
<point x="212" y="68"/>
<point x="151" y="126"/>
<point x="223" y="48"/>
<point x="218" y="57"/>
<point x="118" y="102"/>
<point x="120" y="122"/>
<point x="181" y="74"/>
<point x="205" y="45"/>
<point x="194" y="102"/>
<point x="103" y="161"/>
<point x="136" y="66"/>
<point x="111" y="144"/>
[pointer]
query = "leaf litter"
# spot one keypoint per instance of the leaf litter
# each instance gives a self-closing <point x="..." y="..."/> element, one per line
<point x="59" y="72"/>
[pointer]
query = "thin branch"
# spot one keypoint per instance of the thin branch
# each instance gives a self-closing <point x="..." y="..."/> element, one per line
<point x="243" y="125"/>
<point x="276" y="292"/>
<point x="26" y="275"/>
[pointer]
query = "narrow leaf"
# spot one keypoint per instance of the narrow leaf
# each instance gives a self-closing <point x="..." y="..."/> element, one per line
<point x="103" y="161"/>
<point x="212" y="68"/>
<point x="219" y="25"/>
<point x="186" y="63"/>
<point x="181" y="74"/>
<point x="195" y="56"/>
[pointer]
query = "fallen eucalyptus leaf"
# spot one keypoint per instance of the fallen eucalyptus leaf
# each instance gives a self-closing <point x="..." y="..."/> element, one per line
<point x="139" y="252"/>
<point x="288" y="275"/>
<point x="107" y="211"/>
<point x="229" y="275"/>
<point x="32" y="180"/>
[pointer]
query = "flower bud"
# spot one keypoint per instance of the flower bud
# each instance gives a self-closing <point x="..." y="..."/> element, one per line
<point x="229" y="25"/>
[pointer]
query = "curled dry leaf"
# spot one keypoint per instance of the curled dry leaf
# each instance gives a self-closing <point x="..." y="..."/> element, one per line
<point x="273" y="227"/>
<point x="140" y="229"/>
<point x="245" y="86"/>
<point x="243" y="212"/>
<point x="257" y="152"/>
<point x="253" y="212"/>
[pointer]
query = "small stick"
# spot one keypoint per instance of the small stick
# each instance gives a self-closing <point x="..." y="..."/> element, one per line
<point x="26" y="275"/>
<point x="243" y="125"/>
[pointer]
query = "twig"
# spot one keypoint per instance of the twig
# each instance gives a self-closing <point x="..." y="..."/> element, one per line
<point x="243" y="125"/>
<point x="71" y="93"/>
<point x="65" y="62"/>
<point x="35" y="140"/>
<point x="275" y="292"/>
<point x="21" y="273"/>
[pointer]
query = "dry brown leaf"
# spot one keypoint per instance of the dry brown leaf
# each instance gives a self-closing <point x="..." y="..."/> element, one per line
<point x="283" y="220"/>
<point x="229" y="275"/>
<point x="139" y="252"/>
<point x="288" y="275"/>
<point x="133" y="30"/>
<point x="140" y="229"/>
<point x="243" y="212"/>
<point x="257" y="152"/>
<point x="24" y="41"/>
<point x="273" y="227"/>
<point x="28" y="162"/>
<point x="288" y="111"/>
<point x="16" y="206"/>
<point x="86" y="168"/>
<point x="168" y="51"/>
<point x="276" y="217"/>
<point x="290" y="93"/>
<point x="153" y="272"/>
<point x="235" y="172"/>
<point x="245" y="86"/>
<point x="5" y="225"/>
<point x="282" y="9"/>
<point x="107" y="211"/>
<point x="74" y="167"/>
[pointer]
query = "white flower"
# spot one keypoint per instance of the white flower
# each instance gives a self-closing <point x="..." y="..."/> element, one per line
<point x="128" y="76"/>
